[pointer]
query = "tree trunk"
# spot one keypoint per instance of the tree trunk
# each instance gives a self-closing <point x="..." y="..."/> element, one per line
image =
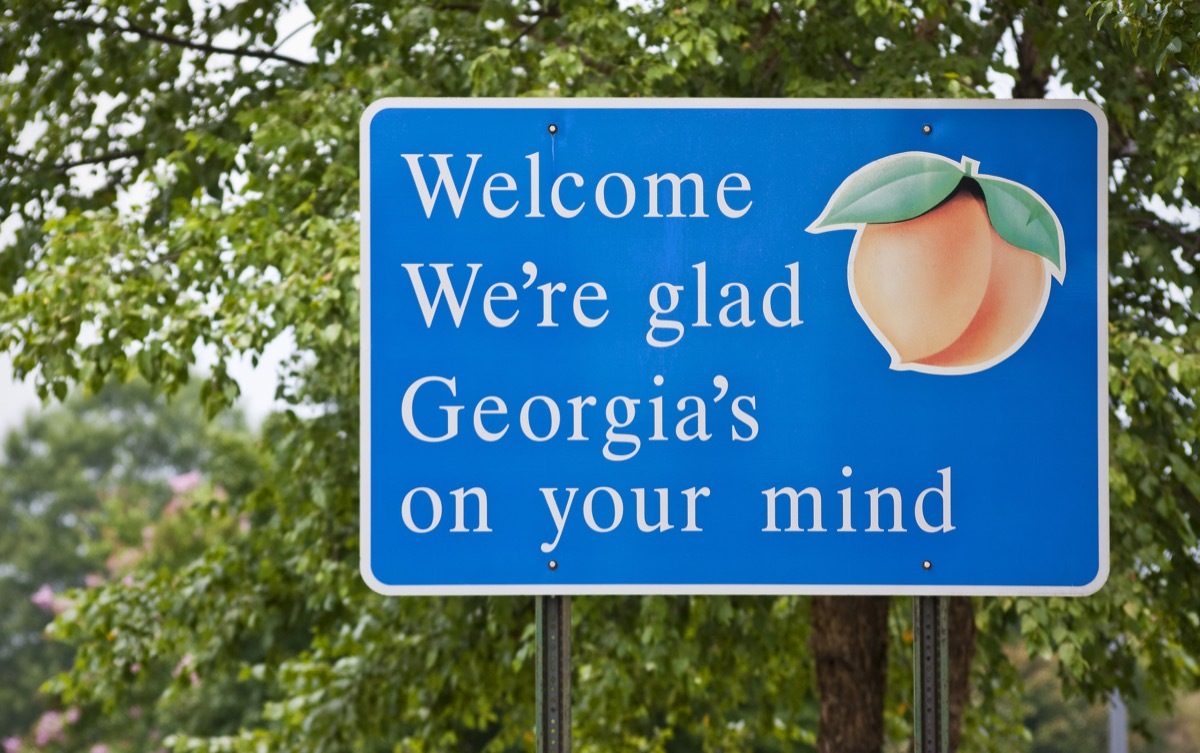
<point x="962" y="652"/>
<point x="849" y="644"/>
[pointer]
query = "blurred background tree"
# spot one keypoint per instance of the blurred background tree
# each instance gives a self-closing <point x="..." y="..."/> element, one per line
<point x="92" y="492"/>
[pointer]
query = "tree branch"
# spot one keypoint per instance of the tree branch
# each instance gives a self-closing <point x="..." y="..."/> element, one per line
<point x="468" y="7"/>
<point x="99" y="159"/>
<point x="992" y="33"/>
<point x="597" y="65"/>
<point x="854" y="70"/>
<point x="130" y="28"/>
<point x="1032" y="77"/>
<point x="552" y="11"/>
<point x="512" y="43"/>
<point x="1188" y="242"/>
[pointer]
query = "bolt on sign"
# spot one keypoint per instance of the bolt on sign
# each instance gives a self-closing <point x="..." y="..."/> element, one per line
<point x="724" y="346"/>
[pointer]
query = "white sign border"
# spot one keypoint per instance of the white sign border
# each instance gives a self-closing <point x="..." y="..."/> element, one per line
<point x="589" y="103"/>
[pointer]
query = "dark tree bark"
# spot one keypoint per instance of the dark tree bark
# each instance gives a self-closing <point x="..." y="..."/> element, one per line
<point x="849" y="644"/>
<point x="962" y="652"/>
<point x="1032" y="76"/>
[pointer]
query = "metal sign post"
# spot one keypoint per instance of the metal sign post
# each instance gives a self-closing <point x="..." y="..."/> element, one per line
<point x="553" y="674"/>
<point x="931" y="674"/>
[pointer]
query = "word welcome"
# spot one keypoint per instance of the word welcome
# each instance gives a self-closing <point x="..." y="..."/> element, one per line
<point x="614" y="194"/>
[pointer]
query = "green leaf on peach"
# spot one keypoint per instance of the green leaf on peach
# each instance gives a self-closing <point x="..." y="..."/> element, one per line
<point x="892" y="189"/>
<point x="1023" y="218"/>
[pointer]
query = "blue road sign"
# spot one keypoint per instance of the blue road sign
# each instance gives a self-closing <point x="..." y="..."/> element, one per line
<point x="714" y="346"/>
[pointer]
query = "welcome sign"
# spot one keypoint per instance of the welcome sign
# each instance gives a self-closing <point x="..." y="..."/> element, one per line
<point x="711" y="346"/>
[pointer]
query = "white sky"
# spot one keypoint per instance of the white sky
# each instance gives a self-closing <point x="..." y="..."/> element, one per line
<point x="15" y="399"/>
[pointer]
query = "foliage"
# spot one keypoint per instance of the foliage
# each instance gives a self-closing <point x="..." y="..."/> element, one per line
<point x="88" y="493"/>
<point x="226" y="216"/>
<point x="1171" y="29"/>
<point x="1058" y="724"/>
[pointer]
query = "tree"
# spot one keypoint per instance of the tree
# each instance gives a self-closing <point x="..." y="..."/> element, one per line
<point x="85" y="490"/>
<point x="1060" y="725"/>
<point x="226" y="215"/>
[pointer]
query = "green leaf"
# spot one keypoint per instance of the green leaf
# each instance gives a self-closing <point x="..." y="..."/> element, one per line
<point x="1182" y="469"/>
<point x="1172" y="48"/>
<point x="1066" y="652"/>
<point x="892" y="189"/>
<point x="1023" y="219"/>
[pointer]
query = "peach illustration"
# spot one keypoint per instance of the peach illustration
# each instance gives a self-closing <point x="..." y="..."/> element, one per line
<point x="949" y="269"/>
<point x="1018" y="287"/>
<point x="921" y="282"/>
